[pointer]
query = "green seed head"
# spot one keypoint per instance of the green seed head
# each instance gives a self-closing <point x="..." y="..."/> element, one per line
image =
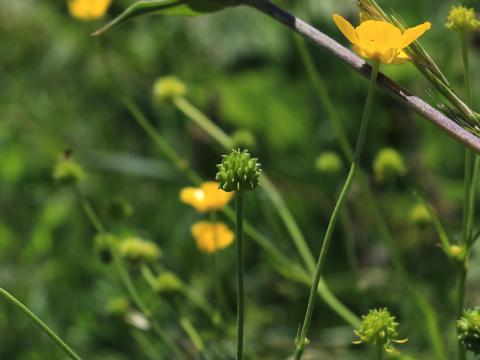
<point x="138" y="250"/>
<point x="168" y="283"/>
<point x="419" y="215"/>
<point x="329" y="162"/>
<point x="388" y="165"/>
<point x="167" y="88"/>
<point x="462" y="19"/>
<point x="469" y="330"/>
<point x="379" y="327"/>
<point x="238" y="171"/>
<point x="67" y="171"/>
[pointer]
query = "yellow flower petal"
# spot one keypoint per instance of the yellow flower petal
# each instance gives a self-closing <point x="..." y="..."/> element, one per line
<point x="380" y="40"/>
<point x="378" y="36"/>
<point x="208" y="197"/>
<point x="400" y="58"/>
<point x="88" y="9"/>
<point x="194" y="197"/>
<point x="211" y="237"/>
<point x="412" y="34"/>
<point x="346" y="28"/>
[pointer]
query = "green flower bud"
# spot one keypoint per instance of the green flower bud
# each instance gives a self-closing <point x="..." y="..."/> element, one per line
<point x="117" y="306"/>
<point x="419" y="215"/>
<point x="379" y="327"/>
<point x="457" y="252"/>
<point x="329" y="162"/>
<point x="103" y="243"/>
<point x="167" y="88"/>
<point x="469" y="330"/>
<point x="462" y="19"/>
<point x="168" y="283"/>
<point x="238" y="171"/>
<point x="138" y="250"/>
<point x="388" y="164"/>
<point x="244" y="138"/>
<point x="67" y="171"/>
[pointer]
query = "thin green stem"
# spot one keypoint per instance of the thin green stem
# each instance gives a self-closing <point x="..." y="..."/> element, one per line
<point x="193" y="334"/>
<point x="180" y="163"/>
<point x="370" y="201"/>
<point x="470" y="187"/>
<point x="301" y="341"/>
<point x="379" y="351"/>
<point x="203" y="121"/>
<point x="240" y="291"/>
<point x="13" y="300"/>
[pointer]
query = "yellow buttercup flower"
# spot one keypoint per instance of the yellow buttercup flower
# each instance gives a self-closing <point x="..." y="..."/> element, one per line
<point x="88" y="9"/>
<point x="380" y="40"/>
<point x="205" y="198"/>
<point x="211" y="236"/>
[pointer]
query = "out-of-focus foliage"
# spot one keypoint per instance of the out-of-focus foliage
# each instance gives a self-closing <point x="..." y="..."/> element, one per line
<point x="61" y="89"/>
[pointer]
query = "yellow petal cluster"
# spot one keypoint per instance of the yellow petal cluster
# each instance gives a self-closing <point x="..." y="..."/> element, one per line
<point x="207" y="197"/>
<point x="462" y="19"/>
<point x="88" y="9"/>
<point x="211" y="236"/>
<point x="380" y="40"/>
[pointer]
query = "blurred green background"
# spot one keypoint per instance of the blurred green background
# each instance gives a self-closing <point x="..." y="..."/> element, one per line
<point x="245" y="72"/>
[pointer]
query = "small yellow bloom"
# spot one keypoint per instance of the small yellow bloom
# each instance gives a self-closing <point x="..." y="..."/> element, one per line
<point x="380" y="40"/>
<point x="205" y="198"/>
<point x="462" y="19"/>
<point x="211" y="237"/>
<point x="88" y="9"/>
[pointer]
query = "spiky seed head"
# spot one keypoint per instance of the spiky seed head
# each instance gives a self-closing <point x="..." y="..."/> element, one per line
<point x="469" y="330"/>
<point x="238" y="171"/>
<point x="379" y="327"/>
<point x="462" y="19"/>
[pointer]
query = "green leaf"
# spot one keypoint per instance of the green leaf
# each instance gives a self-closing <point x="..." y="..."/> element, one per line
<point x="167" y="7"/>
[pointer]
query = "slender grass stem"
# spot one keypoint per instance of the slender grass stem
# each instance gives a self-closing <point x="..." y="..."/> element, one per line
<point x="301" y="341"/>
<point x="240" y="291"/>
<point x="14" y="301"/>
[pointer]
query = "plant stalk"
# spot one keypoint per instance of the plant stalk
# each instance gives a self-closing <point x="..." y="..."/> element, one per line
<point x="239" y="198"/>
<point x="301" y="341"/>
<point x="13" y="300"/>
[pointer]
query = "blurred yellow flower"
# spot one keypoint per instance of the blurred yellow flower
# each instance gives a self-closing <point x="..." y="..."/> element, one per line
<point x="211" y="236"/>
<point x="88" y="9"/>
<point x="205" y="198"/>
<point x="380" y="40"/>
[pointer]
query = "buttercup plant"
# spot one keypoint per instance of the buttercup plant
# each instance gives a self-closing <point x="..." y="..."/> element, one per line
<point x="382" y="43"/>
<point x="239" y="172"/>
